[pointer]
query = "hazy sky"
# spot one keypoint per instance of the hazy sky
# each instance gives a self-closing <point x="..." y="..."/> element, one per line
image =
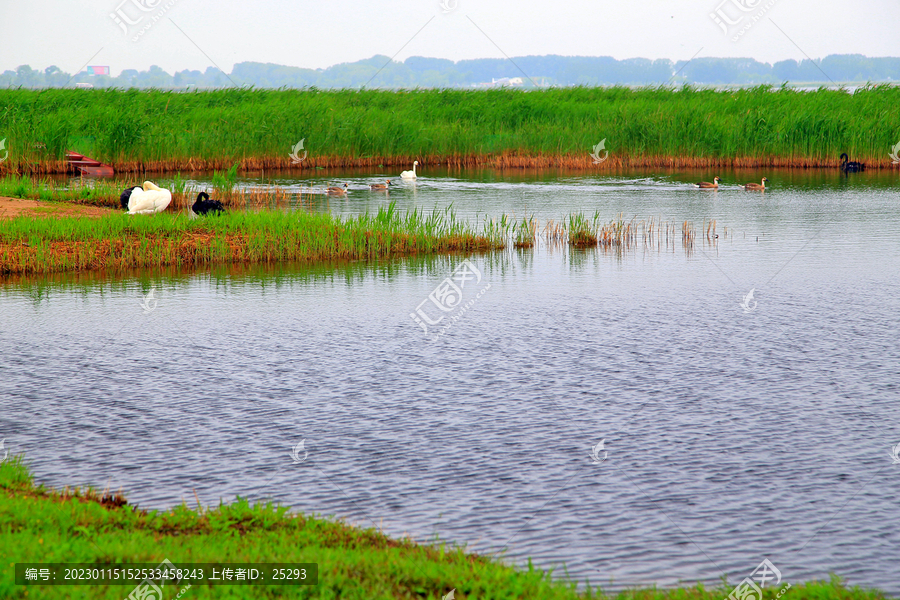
<point x="68" y="33"/>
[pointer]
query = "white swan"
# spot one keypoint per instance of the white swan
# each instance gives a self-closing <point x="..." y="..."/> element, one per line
<point x="410" y="174"/>
<point x="148" y="199"/>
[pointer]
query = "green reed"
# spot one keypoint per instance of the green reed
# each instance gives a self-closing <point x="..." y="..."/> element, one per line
<point x="29" y="245"/>
<point x="135" y="127"/>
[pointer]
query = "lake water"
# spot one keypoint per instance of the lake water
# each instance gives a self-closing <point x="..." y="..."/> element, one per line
<point x="731" y="433"/>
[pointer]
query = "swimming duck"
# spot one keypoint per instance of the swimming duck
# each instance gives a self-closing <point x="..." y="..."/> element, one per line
<point x="756" y="186"/>
<point x="337" y="191"/>
<point x="708" y="185"/>
<point x="380" y="186"/>
<point x="410" y="174"/>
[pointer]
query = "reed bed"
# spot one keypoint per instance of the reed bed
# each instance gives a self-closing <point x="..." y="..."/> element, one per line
<point x="121" y="241"/>
<point x="138" y="131"/>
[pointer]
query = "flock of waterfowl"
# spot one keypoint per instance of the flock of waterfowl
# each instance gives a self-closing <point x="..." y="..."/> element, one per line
<point x="149" y="198"/>
<point x="846" y="166"/>
<point x="706" y="185"/>
<point x="375" y="187"/>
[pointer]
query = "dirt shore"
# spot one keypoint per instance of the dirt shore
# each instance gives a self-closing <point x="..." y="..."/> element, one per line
<point x="15" y="207"/>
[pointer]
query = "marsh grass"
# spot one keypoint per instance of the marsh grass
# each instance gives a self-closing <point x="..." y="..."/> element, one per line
<point x="120" y="241"/>
<point x="150" y="130"/>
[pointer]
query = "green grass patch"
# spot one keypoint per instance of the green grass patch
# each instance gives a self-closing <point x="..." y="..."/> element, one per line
<point x="117" y="241"/>
<point x="38" y="524"/>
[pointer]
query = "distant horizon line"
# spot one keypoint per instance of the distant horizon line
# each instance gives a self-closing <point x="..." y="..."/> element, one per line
<point x="465" y="60"/>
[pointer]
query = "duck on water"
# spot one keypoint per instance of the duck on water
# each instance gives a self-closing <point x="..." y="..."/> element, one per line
<point x="757" y="186"/>
<point x="707" y="185"/>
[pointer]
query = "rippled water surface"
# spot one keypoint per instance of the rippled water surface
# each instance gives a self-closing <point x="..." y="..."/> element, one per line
<point x="730" y="435"/>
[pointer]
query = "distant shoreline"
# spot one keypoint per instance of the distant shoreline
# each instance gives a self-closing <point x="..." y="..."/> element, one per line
<point x="509" y="161"/>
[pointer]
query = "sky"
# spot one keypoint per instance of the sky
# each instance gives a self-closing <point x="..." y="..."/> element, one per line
<point x="196" y="34"/>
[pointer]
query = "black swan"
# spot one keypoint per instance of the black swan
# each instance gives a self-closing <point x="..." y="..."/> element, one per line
<point x="850" y="166"/>
<point x="204" y="205"/>
<point x="125" y="197"/>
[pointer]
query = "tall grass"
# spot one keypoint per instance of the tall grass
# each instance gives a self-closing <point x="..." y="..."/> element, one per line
<point x="136" y="130"/>
<point x="119" y="241"/>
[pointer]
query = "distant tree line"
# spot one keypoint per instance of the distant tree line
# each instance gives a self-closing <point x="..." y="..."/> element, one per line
<point x="417" y="71"/>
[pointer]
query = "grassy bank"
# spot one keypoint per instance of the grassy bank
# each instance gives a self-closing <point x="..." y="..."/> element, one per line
<point x="106" y="192"/>
<point x="157" y="131"/>
<point x="73" y="525"/>
<point x="118" y="241"/>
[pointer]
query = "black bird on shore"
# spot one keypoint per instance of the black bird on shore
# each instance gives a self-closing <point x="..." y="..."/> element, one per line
<point x="204" y="205"/>
<point x="126" y="195"/>
<point x="850" y="166"/>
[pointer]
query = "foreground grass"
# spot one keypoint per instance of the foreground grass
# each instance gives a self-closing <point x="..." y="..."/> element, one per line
<point x="29" y="245"/>
<point x="158" y="130"/>
<point x="42" y="525"/>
